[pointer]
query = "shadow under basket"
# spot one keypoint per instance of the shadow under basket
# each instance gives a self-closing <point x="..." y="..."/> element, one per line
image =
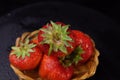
<point x="81" y="72"/>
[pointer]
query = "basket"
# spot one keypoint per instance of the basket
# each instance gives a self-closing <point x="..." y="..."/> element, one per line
<point x="81" y="72"/>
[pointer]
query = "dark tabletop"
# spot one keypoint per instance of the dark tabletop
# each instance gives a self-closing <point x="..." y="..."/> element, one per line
<point x="109" y="8"/>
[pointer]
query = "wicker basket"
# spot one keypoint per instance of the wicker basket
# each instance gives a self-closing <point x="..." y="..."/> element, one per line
<point x="81" y="72"/>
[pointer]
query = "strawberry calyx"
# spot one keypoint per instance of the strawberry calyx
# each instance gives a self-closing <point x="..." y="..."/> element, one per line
<point x="77" y="55"/>
<point x="23" y="49"/>
<point x="56" y="36"/>
<point x="73" y="58"/>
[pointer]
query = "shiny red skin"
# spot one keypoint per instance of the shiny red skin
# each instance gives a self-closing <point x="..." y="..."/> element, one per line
<point x="59" y="53"/>
<point x="51" y="69"/>
<point x="86" y="43"/>
<point x="29" y="62"/>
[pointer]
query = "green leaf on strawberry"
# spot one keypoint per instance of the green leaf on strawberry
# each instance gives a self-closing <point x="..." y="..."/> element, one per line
<point x="73" y="58"/>
<point x="57" y="37"/>
<point x="24" y="49"/>
<point x="77" y="52"/>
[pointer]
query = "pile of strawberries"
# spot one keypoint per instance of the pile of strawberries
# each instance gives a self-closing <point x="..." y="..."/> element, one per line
<point x="56" y="51"/>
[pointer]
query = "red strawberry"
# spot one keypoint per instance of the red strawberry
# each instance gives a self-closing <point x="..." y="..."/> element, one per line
<point x="85" y="46"/>
<point x="57" y="39"/>
<point x="52" y="69"/>
<point x="26" y="56"/>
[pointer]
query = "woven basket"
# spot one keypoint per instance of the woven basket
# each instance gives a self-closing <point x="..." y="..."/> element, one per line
<point x="81" y="72"/>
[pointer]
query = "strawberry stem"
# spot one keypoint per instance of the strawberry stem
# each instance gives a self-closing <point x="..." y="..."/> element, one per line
<point x="24" y="49"/>
<point x="56" y="36"/>
<point x="77" y="55"/>
<point x="73" y="58"/>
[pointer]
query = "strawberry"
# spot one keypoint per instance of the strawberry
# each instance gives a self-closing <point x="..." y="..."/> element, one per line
<point x="57" y="39"/>
<point x="52" y="69"/>
<point x="85" y="46"/>
<point x="26" y="56"/>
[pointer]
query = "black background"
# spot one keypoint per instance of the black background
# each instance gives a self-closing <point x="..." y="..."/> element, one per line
<point x="107" y="8"/>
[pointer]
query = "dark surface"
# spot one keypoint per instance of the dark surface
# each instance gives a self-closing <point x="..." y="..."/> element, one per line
<point x="101" y="28"/>
<point x="109" y="8"/>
